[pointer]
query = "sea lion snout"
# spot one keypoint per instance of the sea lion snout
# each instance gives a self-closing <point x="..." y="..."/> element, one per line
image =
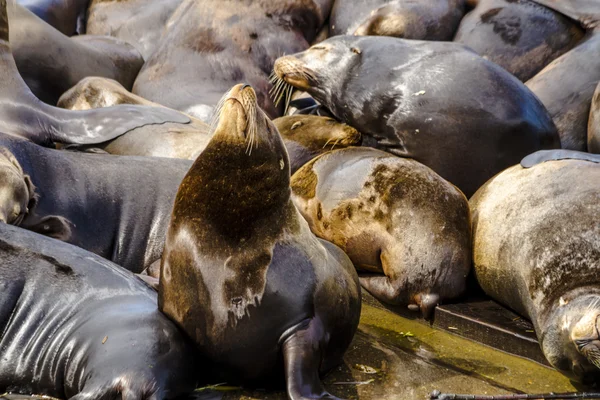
<point x="294" y="72"/>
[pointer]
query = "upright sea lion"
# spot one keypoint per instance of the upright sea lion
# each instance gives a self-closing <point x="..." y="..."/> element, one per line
<point x="593" y="138"/>
<point x="68" y="16"/>
<point x="243" y="275"/>
<point x="77" y="326"/>
<point x="521" y="36"/>
<point x="408" y="19"/>
<point x="139" y="22"/>
<point x="167" y="140"/>
<point x="51" y="63"/>
<point x="211" y="45"/>
<point x="566" y="86"/>
<point x="307" y="136"/>
<point x="438" y="103"/>
<point x="397" y="220"/>
<point x="536" y="232"/>
<point x="23" y="114"/>
<point x="117" y="207"/>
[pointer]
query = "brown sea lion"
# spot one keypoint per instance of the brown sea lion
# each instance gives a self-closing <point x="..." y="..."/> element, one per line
<point x="399" y="222"/>
<point x="436" y="102"/>
<point x="67" y="16"/>
<point x="593" y="138"/>
<point x="521" y="36"/>
<point x="307" y="136"/>
<point x="211" y="45"/>
<point x="536" y="232"/>
<point x="51" y="63"/>
<point x="243" y="275"/>
<point x="566" y="86"/>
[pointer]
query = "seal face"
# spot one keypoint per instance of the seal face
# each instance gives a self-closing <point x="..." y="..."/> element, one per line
<point x="536" y="239"/>
<point x="63" y="336"/>
<point x="242" y="274"/>
<point x="425" y="101"/>
<point x="520" y="36"/>
<point x="405" y="228"/>
<point x="408" y="19"/>
<point x="307" y="136"/>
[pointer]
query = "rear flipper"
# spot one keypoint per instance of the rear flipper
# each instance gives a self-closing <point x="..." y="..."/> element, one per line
<point x="122" y="388"/>
<point x="302" y="355"/>
<point x="380" y="287"/>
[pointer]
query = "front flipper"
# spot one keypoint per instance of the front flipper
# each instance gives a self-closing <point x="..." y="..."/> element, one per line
<point x="302" y="354"/>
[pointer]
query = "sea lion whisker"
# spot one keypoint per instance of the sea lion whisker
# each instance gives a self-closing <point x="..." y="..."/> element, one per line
<point x="336" y="142"/>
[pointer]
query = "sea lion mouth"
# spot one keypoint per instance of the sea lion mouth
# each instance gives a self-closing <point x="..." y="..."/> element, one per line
<point x="238" y="106"/>
<point x="289" y="73"/>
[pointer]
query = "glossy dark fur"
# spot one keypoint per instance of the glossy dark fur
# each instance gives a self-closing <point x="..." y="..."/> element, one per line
<point x="23" y="114"/>
<point x="119" y="207"/>
<point x="521" y="36"/>
<point x="438" y="103"/>
<point x="77" y="326"/>
<point x="67" y="16"/>
<point x="243" y="275"/>
<point x="536" y="241"/>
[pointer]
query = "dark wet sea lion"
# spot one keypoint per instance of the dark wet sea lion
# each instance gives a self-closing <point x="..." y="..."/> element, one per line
<point x="118" y="207"/>
<point x="139" y="22"/>
<point x="67" y="16"/>
<point x="166" y="140"/>
<point x="436" y="102"/>
<point x="307" y="136"/>
<point x="536" y="245"/>
<point x="593" y="137"/>
<point x="51" y="63"/>
<point x="521" y="36"/>
<point x="243" y="275"/>
<point x="77" y="326"/>
<point x="24" y="115"/>
<point x="394" y="217"/>
<point x="211" y="45"/>
<point x="408" y="19"/>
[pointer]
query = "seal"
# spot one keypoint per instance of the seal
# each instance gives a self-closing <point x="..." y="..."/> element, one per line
<point x="63" y="336"/>
<point x="593" y="139"/>
<point x="521" y="36"/>
<point x="408" y="19"/>
<point x="307" y="136"/>
<point x="22" y="114"/>
<point x="407" y="230"/>
<point x="211" y="45"/>
<point x="35" y="45"/>
<point x="243" y="275"/>
<point x="436" y="102"/>
<point x="170" y="139"/>
<point x="67" y="16"/>
<point x="566" y="86"/>
<point x="537" y="250"/>
<point x="116" y="207"/>
<point x="139" y="22"/>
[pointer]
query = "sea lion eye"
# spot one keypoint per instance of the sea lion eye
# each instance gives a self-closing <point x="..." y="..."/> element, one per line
<point x="296" y="125"/>
<point x="355" y="50"/>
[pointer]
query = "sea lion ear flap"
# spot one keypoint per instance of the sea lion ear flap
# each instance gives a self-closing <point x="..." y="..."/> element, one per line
<point x="33" y="196"/>
<point x="52" y="226"/>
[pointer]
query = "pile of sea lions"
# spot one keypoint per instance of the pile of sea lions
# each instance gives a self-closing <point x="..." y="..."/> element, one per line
<point x="195" y="191"/>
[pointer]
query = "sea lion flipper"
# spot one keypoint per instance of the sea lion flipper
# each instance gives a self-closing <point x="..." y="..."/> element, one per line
<point x="302" y="354"/>
<point x="380" y="287"/>
<point x="103" y="124"/>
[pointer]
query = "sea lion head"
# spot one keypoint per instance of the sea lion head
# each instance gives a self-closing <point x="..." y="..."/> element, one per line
<point x="17" y="193"/>
<point x="572" y="341"/>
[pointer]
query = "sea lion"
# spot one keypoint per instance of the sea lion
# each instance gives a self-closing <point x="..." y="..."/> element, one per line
<point x="566" y="86"/>
<point x="211" y="45"/>
<point x="36" y="45"/>
<point x="139" y="22"/>
<point x="521" y="36"/>
<point x="67" y="16"/>
<point x="436" y="102"/>
<point x="307" y="136"/>
<point x="77" y="326"/>
<point x="243" y="275"/>
<point x="171" y="140"/>
<point x="536" y="238"/>
<point x="24" y="115"/>
<point x="399" y="222"/>
<point x="593" y="138"/>
<point x="116" y="207"/>
<point x="408" y="19"/>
